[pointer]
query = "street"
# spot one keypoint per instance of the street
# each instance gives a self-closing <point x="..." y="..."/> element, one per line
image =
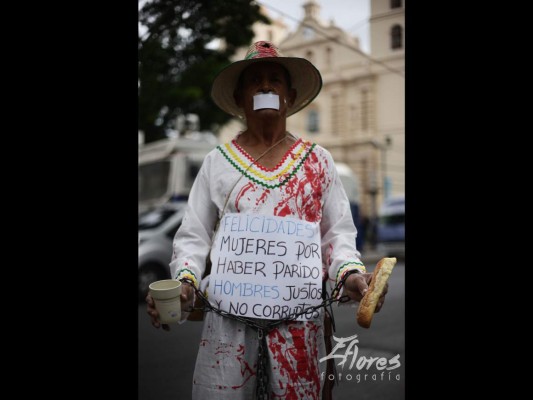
<point x="166" y="359"/>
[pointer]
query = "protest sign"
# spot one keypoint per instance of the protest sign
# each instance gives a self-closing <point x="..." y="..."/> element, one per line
<point x="266" y="267"/>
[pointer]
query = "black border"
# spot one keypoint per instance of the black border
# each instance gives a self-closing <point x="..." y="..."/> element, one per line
<point x="88" y="169"/>
<point x="446" y="126"/>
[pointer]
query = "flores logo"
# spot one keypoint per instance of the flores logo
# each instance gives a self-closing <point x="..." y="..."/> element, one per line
<point x="379" y="363"/>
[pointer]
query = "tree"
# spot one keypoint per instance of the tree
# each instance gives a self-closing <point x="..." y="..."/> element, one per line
<point x="176" y="67"/>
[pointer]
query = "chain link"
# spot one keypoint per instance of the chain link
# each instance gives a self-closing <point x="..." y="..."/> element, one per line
<point x="262" y="371"/>
<point x="263" y="330"/>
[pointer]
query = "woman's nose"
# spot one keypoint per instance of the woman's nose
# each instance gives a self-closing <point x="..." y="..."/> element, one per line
<point x="265" y="86"/>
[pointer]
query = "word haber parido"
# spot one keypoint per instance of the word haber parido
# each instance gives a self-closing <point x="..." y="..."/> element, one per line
<point x="260" y="260"/>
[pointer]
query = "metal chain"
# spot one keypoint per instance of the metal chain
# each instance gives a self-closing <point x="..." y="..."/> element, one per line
<point x="261" y="389"/>
<point x="263" y="330"/>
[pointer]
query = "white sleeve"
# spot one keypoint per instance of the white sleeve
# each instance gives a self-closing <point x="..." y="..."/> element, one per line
<point x="338" y="231"/>
<point x="192" y="241"/>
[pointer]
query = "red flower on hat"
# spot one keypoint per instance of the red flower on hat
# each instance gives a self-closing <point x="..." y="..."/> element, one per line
<point x="262" y="49"/>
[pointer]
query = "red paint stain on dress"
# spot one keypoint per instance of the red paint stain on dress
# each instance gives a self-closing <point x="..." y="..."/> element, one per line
<point x="297" y="362"/>
<point x="246" y="371"/>
<point x="263" y="197"/>
<point x="303" y="197"/>
<point x="224" y="348"/>
<point x="242" y="192"/>
<point x="312" y="199"/>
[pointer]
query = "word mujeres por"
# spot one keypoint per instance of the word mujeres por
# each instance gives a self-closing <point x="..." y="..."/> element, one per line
<point x="239" y="246"/>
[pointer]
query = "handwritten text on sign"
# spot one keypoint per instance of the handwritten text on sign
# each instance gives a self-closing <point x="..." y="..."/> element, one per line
<point x="266" y="267"/>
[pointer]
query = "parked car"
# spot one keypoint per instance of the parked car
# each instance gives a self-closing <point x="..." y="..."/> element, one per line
<point x="391" y="227"/>
<point x="157" y="228"/>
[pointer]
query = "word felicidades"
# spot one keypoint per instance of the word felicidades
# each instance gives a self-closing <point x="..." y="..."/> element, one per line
<point x="266" y="224"/>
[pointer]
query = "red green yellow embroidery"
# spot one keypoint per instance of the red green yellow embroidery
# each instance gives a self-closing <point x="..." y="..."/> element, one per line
<point x="286" y="168"/>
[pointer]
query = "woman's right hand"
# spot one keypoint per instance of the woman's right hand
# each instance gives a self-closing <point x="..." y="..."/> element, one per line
<point x="187" y="301"/>
<point x="154" y="315"/>
<point x="187" y="298"/>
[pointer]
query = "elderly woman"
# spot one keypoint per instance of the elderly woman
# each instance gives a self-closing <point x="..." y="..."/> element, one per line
<point x="267" y="180"/>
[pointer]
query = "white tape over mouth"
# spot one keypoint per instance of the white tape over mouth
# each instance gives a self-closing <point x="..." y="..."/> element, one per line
<point x="266" y="100"/>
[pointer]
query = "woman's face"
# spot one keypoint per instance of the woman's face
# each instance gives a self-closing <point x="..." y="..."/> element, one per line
<point x="264" y="77"/>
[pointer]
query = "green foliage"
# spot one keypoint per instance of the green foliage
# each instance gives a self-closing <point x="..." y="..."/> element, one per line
<point x="175" y="67"/>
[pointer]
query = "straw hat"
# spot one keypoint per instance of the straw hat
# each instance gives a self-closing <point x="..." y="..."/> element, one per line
<point x="305" y="78"/>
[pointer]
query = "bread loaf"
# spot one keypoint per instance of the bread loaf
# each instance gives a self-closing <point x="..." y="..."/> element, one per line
<point x="368" y="303"/>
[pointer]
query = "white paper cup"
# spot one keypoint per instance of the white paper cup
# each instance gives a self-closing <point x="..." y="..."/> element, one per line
<point x="166" y="295"/>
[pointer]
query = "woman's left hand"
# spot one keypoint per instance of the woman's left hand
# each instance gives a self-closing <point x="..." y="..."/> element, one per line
<point x="356" y="286"/>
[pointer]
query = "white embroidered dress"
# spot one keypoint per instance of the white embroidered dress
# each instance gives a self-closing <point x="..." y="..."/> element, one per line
<point x="304" y="185"/>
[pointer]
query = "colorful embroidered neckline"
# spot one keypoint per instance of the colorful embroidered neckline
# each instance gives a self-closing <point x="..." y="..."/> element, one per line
<point x="281" y="173"/>
<point x="245" y="154"/>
